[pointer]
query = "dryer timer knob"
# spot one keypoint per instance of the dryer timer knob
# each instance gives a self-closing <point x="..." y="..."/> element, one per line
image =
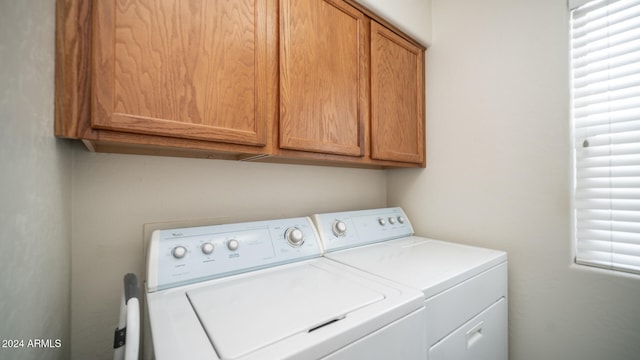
<point x="339" y="228"/>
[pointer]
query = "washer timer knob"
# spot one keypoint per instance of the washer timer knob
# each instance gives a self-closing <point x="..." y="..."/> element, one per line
<point x="233" y="244"/>
<point x="179" y="252"/>
<point x="339" y="228"/>
<point x="401" y="219"/>
<point x="294" y="236"/>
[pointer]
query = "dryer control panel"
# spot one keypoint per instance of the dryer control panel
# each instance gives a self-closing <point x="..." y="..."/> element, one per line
<point x="342" y="230"/>
<point x="189" y="255"/>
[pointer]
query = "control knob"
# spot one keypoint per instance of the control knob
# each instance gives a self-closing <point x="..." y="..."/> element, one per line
<point x="233" y="244"/>
<point x="339" y="228"/>
<point x="207" y="248"/>
<point x="294" y="236"/>
<point x="179" y="252"/>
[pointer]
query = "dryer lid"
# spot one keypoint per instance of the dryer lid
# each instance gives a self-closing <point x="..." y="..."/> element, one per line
<point x="247" y="313"/>
<point x="429" y="265"/>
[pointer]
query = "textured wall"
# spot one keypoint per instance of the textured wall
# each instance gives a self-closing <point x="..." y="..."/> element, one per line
<point x="35" y="194"/>
<point x="498" y="175"/>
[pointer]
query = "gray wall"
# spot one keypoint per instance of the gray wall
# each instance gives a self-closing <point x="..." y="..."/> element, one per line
<point x="498" y="174"/>
<point x="35" y="187"/>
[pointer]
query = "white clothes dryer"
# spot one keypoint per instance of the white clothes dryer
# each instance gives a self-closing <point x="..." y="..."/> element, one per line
<point x="464" y="287"/>
<point x="261" y="290"/>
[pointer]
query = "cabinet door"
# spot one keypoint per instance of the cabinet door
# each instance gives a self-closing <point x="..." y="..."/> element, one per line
<point x="323" y="77"/>
<point x="397" y="97"/>
<point x="188" y="69"/>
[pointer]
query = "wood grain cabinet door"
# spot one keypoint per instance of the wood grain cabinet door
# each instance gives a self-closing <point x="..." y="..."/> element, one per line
<point x="397" y="97"/>
<point x="189" y="69"/>
<point x="323" y="77"/>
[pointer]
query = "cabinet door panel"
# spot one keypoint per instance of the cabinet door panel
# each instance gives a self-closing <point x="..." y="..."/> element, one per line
<point x="397" y="97"/>
<point x="195" y="69"/>
<point x="323" y="79"/>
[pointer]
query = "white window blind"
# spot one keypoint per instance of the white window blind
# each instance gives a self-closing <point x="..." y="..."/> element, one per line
<point x="605" y="45"/>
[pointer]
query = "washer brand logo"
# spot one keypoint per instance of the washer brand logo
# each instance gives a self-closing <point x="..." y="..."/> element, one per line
<point x="176" y="234"/>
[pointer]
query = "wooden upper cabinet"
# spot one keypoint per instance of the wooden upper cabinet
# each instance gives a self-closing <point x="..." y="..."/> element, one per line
<point x="186" y="69"/>
<point x="303" y="81"/>
<point x="397" y="98"/>
<point x="323" y="77"/>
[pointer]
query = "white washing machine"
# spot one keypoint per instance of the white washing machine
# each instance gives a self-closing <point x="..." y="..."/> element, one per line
<point x="261" y="290"/>
<point x="464" y="287"/>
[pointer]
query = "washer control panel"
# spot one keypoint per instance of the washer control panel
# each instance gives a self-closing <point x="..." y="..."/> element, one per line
<point x="342" y="230"/>
<point x="188" y="255"/>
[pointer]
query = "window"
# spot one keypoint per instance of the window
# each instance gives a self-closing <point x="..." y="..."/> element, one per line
<point x="605" y="47"/>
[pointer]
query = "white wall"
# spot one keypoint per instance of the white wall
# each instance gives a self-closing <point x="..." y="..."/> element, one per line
<point x="498" y="174"/>
<point x="411" y="16"/>
<point x="114" y="195"/>
<point x="35" y="187"/>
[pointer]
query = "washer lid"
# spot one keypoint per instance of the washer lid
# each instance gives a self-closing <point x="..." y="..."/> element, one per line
<point x="429" y="265"/>
<point x="247" y="313"/>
